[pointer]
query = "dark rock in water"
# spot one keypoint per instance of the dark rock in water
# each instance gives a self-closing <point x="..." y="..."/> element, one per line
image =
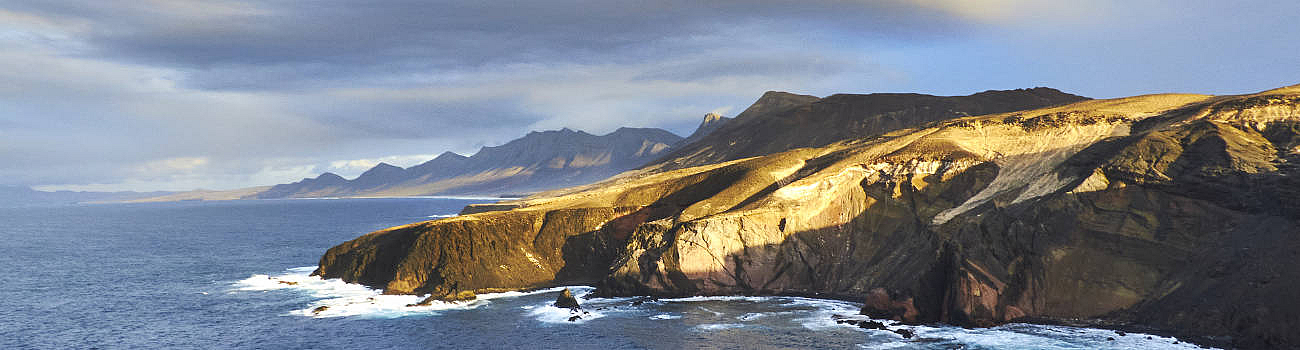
<point x="574" y="318"/>
<point x="566" y="300"/>
<point x="319" y="309"/>
<point x="906" y="333"/>
<point x="1121" y="333"/>
<point x="464" y="295"/>
<point x="1110" y="338"/>
<point x="643" y="300"/>
<point x="869" y="324"/>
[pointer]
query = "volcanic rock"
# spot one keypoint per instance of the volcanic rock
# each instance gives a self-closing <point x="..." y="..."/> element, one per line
<point x="566" y="300"/>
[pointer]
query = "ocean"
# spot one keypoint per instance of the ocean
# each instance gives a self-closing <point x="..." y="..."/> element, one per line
<point x="234" y="275"/>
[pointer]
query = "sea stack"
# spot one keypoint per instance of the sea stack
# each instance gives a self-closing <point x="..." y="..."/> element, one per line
<point x="566" y="300"/>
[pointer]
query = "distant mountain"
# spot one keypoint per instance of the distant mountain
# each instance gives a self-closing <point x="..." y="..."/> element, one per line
<point x="538" y="161"/>
<point x="16" y="196"/>
<point x="781" y="121"/>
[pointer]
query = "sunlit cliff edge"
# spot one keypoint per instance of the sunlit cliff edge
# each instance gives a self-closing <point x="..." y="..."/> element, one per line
<point x="1174" y="211"/>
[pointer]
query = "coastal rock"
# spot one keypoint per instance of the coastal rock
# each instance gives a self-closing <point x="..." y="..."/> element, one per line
<point x="567" y="301"/>
<point x="448" y="297"/>
<point x="904" y="332"/>
<point x="1169" y="211"/>
<point x="880" y="304"/>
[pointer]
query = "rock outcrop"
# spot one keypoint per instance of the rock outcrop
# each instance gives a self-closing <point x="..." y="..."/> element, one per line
<point x="711" y="122"/>
<point x="566" y="300"/>
<point x="1174" y="212"/>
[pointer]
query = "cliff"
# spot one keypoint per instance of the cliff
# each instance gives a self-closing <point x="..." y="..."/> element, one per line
<point x="1174" y="212"/>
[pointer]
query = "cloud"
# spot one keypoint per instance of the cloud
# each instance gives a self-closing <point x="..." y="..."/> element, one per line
<point x="273" y="91"/>
<point x="353" y="167"/>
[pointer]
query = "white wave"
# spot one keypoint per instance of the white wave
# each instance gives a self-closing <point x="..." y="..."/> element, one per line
<point x="883" y="346"/>
<point x="722" y="298"/>
<point x="1021" y="335"/>
<point x="442" y="216"/>
<point x="823" y="310"/>
<point x="665" y="317"/>
<point x="548" y="313"/>
<point x="336" y="298"/>
<point x="715" y="313"/>
<point x="718" y="326"/>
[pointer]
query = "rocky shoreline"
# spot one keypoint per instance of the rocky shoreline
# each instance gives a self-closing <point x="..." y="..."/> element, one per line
<point x="1173" y="212"/>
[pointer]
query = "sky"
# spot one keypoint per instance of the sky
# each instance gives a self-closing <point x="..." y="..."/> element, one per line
<point x="221" y="94"/>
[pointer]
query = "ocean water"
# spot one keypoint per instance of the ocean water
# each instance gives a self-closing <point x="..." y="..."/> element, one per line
<point x="208" y="275"/>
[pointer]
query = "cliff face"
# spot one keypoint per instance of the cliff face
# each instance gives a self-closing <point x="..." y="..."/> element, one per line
<point x="538" y="161"/>
<point x="1169" y="211"/>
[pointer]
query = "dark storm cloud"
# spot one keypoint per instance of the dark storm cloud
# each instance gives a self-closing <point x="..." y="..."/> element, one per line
<point x="281" y="44"/>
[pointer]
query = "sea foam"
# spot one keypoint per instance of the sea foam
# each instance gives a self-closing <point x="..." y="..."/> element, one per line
<point x="335" y="298"/>
<point x="591" y="308"/>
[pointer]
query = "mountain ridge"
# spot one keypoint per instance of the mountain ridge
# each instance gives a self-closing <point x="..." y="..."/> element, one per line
<point x="1169" y="212"/>
<point x="781" y="121"/>
<point x="540" y="160"/>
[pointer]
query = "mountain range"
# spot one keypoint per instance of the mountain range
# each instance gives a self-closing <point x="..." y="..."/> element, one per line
<point x="1167" y="213"/>
<point x="16" y="196"/>
<point x="538" y="161"/>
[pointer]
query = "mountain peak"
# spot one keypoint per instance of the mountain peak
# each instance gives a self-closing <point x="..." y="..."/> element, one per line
<point x="449" y="155"/>
<point x="712" y="121"/>
<point x="775" y="101"/>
